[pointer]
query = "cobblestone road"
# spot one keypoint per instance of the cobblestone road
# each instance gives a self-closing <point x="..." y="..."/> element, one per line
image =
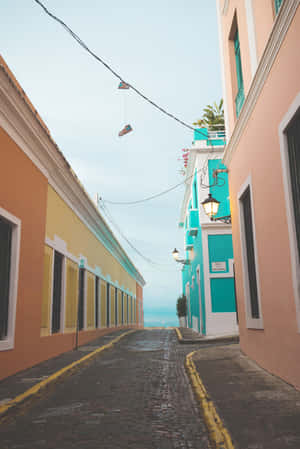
<point x="134" y="396"/>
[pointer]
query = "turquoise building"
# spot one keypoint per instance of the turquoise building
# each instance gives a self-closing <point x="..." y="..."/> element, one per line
<point x="208" y="275"/>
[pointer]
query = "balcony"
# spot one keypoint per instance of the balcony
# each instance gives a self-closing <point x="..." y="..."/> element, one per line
<point x="204" y="137"/>
<point x="239" y="100"/>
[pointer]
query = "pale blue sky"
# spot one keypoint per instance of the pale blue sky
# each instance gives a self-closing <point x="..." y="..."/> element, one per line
<point x="168" y="50"/>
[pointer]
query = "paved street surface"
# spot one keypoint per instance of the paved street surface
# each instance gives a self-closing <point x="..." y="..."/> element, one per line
<point x="260" y="410"/>
<point x="133" y="396"/>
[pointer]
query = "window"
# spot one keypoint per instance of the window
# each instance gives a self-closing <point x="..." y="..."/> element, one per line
<point x="57" y="291"/>
<point x="96" y="302"/>
<point x="107" y="304"/>
<point x="122" y="301"/>
<point x="195" y="195"/>
<point x="293" y="139"/>
<point x="249" y="260"/>
<point x="277" y="4"/>
<point x="239" y="99"/>
<point x="5" y="266"/>
<point x="81" y="298"/>
<point x="10" y="227"/>
<point x="116" y="306"/>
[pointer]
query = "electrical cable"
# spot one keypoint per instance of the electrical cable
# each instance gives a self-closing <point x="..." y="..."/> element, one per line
<point x="94" y="55"/>
<point x="112" y="221"/>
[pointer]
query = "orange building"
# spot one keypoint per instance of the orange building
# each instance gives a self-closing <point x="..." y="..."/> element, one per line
<point x="64" y="277"/>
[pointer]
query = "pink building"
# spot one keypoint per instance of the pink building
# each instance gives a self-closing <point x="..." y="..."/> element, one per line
<point x="260" y="58"/>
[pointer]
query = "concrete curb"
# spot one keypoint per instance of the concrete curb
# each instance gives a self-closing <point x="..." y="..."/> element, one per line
<point x="218" y="434"/>
<point x="207" y="340"/>
<point x="58" y="375"/>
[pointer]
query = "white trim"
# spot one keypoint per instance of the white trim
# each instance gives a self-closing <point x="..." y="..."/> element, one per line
<point x="225" y="7"/>
<point x="188" y="300"/>
<point x="279" y="31"/>
<point x="251" y="35"/>
<point x="60" y="245"/>
<point x="9" y="341"/>
<point x="252" y="323"/>
<point x="200" y="299"/>
<point x="222" y="61"/>
<point x="295" y="263"/>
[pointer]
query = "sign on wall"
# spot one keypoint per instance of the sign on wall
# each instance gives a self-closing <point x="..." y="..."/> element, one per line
<point x="218" y="266"/>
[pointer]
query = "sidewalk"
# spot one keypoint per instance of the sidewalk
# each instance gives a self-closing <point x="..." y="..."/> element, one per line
<point x="259" y="410"/>
<point x="18" y="383"/>
<point x="189" y="336"/>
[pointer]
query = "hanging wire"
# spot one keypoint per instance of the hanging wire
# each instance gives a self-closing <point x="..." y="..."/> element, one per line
<point x="116" y="226"/>
<point x="94" y="55"/>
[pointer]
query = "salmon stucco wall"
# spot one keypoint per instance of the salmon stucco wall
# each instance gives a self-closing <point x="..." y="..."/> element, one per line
<point x="257" y="155"/>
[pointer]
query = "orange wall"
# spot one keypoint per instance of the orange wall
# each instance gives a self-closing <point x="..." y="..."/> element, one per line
<point x="276" y="347"/>
<point x="23" y="193"/>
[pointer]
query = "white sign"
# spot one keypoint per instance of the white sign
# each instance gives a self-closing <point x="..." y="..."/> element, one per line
<point x="218" y="266"/>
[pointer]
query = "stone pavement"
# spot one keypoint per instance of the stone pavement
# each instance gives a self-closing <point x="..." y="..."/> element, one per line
<point x="259" y="410"/>
<point x="135" y="395"/>
<point x="18" y="383"/>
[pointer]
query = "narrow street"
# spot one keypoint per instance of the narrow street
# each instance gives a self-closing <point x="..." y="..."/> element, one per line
<point x="133" y="396"/>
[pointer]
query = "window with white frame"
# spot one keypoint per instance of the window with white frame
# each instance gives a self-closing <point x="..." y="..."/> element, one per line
<point x="10" y="228"/>
<point x="57" y="291"/>
<point x="253" y="309"/>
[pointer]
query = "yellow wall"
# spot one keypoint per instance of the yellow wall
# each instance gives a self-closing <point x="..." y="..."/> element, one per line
<point x="71" y="296"/>
<point x="63" y="222"/>
<point x="47" y="289"/>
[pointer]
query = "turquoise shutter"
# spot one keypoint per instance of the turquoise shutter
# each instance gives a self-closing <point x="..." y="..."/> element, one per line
<point x="239" y="100"/>
<point x="277" y="5"/>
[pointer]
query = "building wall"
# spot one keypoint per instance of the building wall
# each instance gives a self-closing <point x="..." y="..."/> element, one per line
<point x="257" y="159"/>
<point x="23" y="193"/>
<point x="48" y="223"/>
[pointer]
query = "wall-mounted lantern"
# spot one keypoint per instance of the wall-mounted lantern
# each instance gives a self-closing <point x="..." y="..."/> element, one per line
<point x="211" y="207"/>
<point x="175" y="255"/>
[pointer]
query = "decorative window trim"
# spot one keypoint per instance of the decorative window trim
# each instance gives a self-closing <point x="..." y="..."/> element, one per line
<point x="9" y="341"/>
<point x="295" y="263"/>
<point x="252" y="323"/>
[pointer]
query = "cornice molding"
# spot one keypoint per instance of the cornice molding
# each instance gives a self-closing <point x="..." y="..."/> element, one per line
<point x="279" y="31"/>
<point x="24" y="127"/>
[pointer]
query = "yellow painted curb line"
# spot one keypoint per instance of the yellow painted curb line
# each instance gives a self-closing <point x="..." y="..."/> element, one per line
<point x="218" y="434"/>
<point x="37" y="388"/>
<point x="179" y="335"/>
